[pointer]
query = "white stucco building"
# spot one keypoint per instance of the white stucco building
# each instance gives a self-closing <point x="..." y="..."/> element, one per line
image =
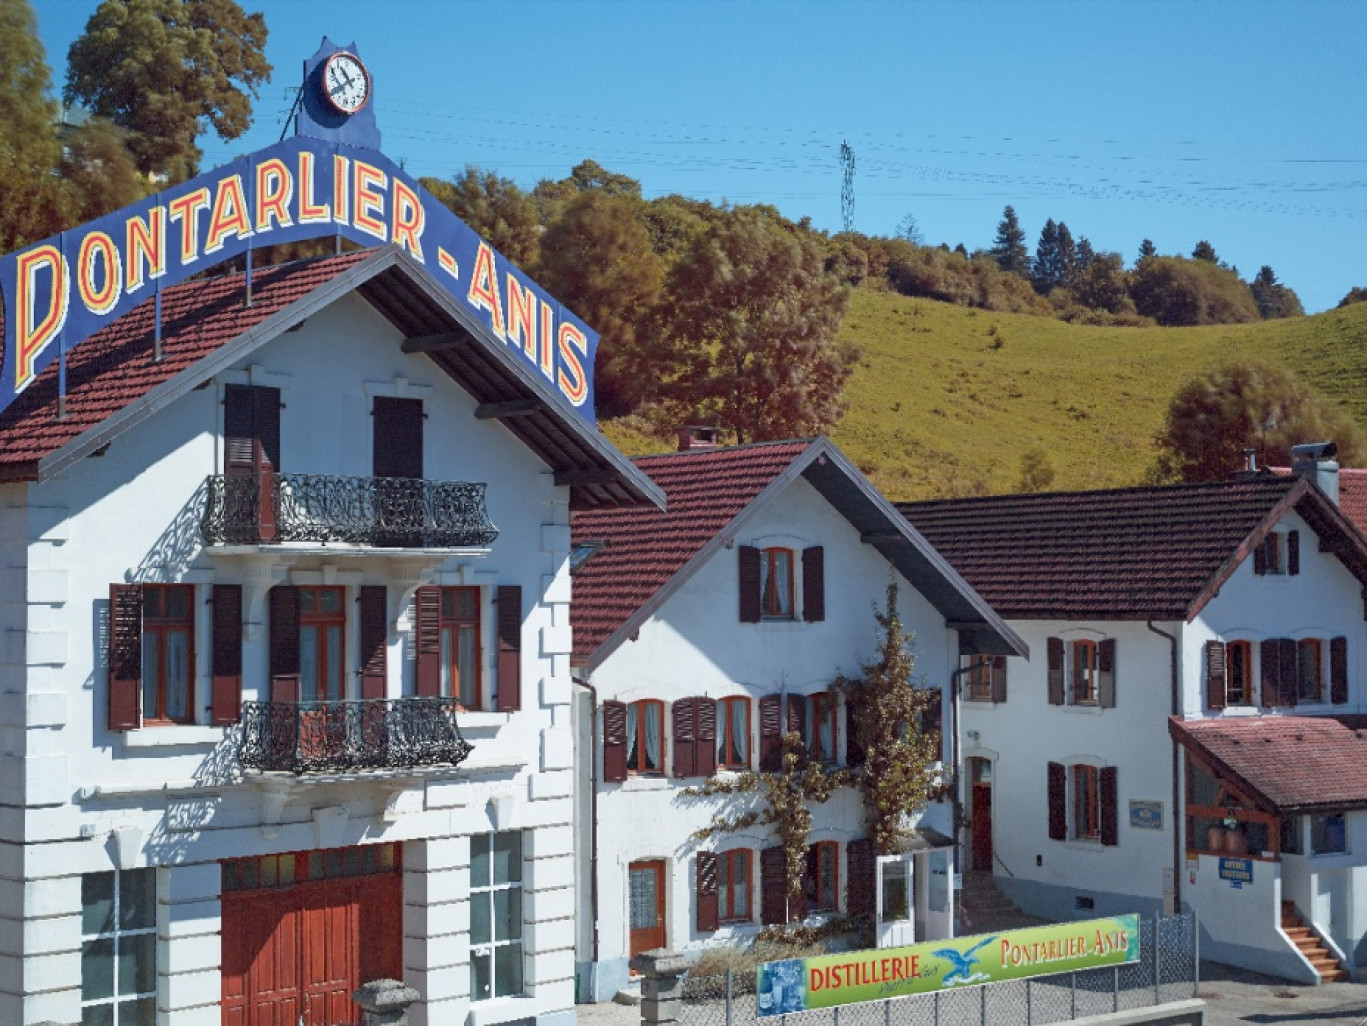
<point x="265" y="578"/>
<point x="702" y="633"/>
<point x="1185" y="734"/>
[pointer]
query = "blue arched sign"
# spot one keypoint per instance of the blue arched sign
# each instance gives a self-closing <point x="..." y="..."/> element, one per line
<point x="62" y="290"/>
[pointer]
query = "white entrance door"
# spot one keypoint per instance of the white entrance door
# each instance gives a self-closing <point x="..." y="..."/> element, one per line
<point x="934" y="896"/>
<point x="896" y="926"/>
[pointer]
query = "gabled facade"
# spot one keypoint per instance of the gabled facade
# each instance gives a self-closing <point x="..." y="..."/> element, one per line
<point x="702" y="633"/>
<point x="286" y="660"/>
<point x="1168" y="623"/>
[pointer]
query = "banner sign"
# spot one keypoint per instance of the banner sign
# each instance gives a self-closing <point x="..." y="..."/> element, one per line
<point x="62" y="290"/>
<point x="804" y="984"/>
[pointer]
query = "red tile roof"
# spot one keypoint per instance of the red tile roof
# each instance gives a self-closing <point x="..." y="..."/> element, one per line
<point x="1293" y="763"/>
<point x="1353" y="495"/>
<point x="645" y="547"/>
<point x="1129" y="553"/>
<point x="114" y="367"/>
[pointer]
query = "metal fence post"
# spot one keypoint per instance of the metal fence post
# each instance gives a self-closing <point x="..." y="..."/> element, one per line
<point x="1072" y="979"/>
<point x="1115" y="988"/>
<point x="1195" y="954"/>
<point x="887" y="1013"/>
<point x="937" y="1008"/>
<point x="1157" y="962"/>
<point x="982" y="1004"/>
<point x="1029" y="1004"/>
<point x="728" y="995"/>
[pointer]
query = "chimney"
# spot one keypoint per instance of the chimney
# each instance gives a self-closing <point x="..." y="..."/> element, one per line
<point x="1249" y="470"/>
<point x="1316" y="461"/>
<point x="698" y="436"/>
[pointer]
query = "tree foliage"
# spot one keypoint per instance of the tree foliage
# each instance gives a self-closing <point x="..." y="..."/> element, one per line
<point x="29" y="150"/>
<point x="1213" y="418"/>
<point x="1174" y="291"/>
<point x="750" y="329"/>
<point x="1205" y="251"/>
<point x="1357" y="294"/>
<point x="99" y="170"/>
<point x="1008" y="248"/>
<point x="495" y="207"/>
<point x="955" y="278"/>
<point x="162" y="69"/>
<point x="598" y="260"/>
<point x="885" y="712"/>
<point x="1272" y="297"/>
<point x="1147" y="251"/>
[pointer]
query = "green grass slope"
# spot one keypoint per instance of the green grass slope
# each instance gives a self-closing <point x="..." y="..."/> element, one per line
<point x="946" y="400"/>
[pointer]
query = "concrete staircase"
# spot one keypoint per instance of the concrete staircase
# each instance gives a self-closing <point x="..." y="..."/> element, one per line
<point x="1329" y="967"/>
<point x="985" y="909"/>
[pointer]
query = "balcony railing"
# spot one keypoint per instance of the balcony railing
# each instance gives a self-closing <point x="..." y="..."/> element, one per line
<point x="330" y="737"/>
<point x="388" y="512"/>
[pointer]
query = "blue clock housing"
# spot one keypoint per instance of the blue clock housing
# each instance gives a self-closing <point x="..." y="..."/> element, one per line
<point x="319" y="119"/>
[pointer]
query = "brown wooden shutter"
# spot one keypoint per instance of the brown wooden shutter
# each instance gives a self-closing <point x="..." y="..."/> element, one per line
<point x="1293" y="552"/>
<point x="685" y="740"/>
<point x="748" y="559"/>
<point x="1215" y="674"/>
<point x="1110" y="806"/>
<point x="1288" y="671"/>
<point x="1260" y="558"/>
<point x="509" y="648"/>
<point x="614" y="741"/>
<point x="1055" y="649"/>
<point x="1058" y="802"/>
<point x="999" y="678"/>
<point x="427" y="641"/>
<point x="814" y="584"/>
<point x="1106" y="673"/>
<point x="709" y="891"/>
<point x="125" y="656"/>
<point x="861" y="885"/>
<point x="706" y="727"/>
<point x="284" y="643"/>
<point x="773" y="887"/>
<point x="397" y="437"/>
<point x="225" y="695"/>
<point x="1269" y="671"/>
<point x="797" y="717"/>
<point x="251" y="429"/>
<point x="1338" y="670"/>
<point x="374" y="602"/>
<point x="771" y="733"/>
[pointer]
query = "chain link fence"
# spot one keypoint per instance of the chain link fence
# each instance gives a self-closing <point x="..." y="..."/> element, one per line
<point x="1166" y="971"/>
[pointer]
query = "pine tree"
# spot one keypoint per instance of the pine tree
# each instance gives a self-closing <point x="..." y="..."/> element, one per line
<point x="1044" y="273"/>
<point x="1065" y="274"/>
<point x="1009" y="249"/>
<point x="1273" y="298"/>
<point x="1205" y="251"/>
<point x="1147" y="251"/>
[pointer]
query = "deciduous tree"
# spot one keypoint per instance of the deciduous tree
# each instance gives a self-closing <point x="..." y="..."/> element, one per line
<point x="496" y="208"/>
<point x="1273" y="298"/>
<point x="99" y="171"/>
<point x="1239" y="406"/>
<point x="1177" y="292"/>
<point x="29" y="150"/>
<point x="751" y="329"/>
<point x="167" y="69"/>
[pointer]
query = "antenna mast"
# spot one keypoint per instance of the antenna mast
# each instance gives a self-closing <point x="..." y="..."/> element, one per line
<point x="847" y="186"/>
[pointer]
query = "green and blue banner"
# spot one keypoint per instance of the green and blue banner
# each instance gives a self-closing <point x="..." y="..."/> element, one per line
<point x="804" y="984"/>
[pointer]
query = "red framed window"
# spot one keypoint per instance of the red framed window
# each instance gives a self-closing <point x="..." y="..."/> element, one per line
<point x="979" y="678"/>
<point x="322" y="644"/>
<point x="645" y="737"/>
<point x="823" y="876"/>
<point x="460" y="649"/>
<point x="168" y="653"/>
<point x="734" y="881"/>
<point x="1086" y="672"/>
<point x="1086" y="803"/>
<point x="1238" y="673"/>
<point x="818" y="728"/>
<point x="776" y="584"/>
<point x="1309" y="677"/>
<point x="733" y="732"/>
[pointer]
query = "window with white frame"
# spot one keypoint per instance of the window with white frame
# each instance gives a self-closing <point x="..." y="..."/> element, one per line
<point x="1329" y="834"/>
<point x="119" y="948"/>
<point x="495" y="916"/>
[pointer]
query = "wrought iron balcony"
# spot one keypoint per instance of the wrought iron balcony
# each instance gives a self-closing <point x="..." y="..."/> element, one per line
<point x="387" y="512"/>
<point x="331" y="737"/>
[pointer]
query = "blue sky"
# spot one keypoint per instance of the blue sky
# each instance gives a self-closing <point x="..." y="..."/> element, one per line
<point x="1235" y="122"/>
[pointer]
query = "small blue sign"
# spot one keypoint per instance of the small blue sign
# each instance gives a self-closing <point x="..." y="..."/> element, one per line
<point x="1146" y="815"/>
<point x="1237" y="871"/>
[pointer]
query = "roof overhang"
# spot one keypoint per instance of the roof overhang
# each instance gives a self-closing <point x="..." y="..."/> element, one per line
<point x="434" y="323"/>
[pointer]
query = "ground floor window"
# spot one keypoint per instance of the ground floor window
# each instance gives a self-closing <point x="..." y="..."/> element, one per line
<point x="119" y="948"/>
<point x="734" y="886"/>
<point x="1328" y="834"/>
<point x="495" y="916"/>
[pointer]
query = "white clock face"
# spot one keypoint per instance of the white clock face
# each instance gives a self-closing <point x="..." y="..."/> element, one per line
<point x="346" y="82"/>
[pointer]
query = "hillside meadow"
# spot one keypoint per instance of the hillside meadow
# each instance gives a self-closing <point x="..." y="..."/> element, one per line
<point x="946" y="400"/>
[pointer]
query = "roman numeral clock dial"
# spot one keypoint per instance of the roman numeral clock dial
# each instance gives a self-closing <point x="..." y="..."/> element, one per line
<point x="346" y="83"/>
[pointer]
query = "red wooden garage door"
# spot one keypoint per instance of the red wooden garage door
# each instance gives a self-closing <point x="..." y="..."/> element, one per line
<point x="302" y="931"/>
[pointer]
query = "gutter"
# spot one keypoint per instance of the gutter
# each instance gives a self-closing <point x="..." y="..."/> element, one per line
<point x="956" y="799"/>
<point x="1175" y="759"/>
<point x="593" y="814"/>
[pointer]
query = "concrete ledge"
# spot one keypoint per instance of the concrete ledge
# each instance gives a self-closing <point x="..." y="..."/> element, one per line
<point x="1191" y="1012"/>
